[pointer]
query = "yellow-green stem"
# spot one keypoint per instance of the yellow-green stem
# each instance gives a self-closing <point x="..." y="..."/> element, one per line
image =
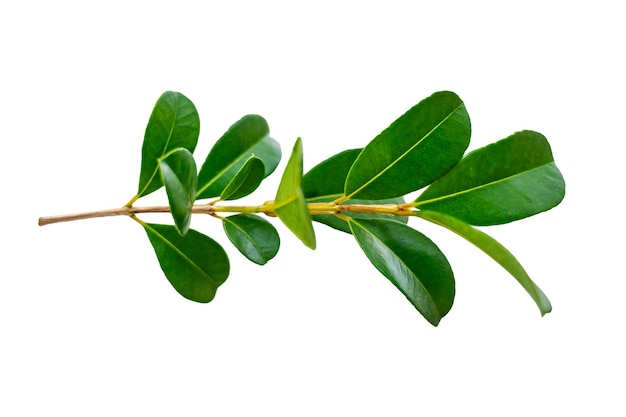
<point x="267" y="208"/>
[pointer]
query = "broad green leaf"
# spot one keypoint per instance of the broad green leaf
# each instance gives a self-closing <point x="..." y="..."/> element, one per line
<point x="248" y="136"/>
<point x="495" y="250"/>
<point x="325" y="183"/>
<point x="174" y="123"/>
<point x="508" y="180"/>
<point x="290" y="205"/>
<point x="413" y="151"/>
<point x="178" y="173"/>
<point x="411" y="261"/>
<point x="253" y="236"/>
<point x="326" y="180"/>
<point x="194" y="264"/>
<point x="246" y="180"/>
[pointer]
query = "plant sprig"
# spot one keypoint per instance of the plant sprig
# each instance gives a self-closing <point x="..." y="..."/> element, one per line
<point x="357" y="191"/>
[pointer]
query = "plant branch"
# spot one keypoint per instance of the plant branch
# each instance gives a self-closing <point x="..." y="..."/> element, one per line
<point x="267" y="208"/>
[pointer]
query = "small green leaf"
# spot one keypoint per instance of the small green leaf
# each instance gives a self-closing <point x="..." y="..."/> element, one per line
<point x="253" y="236"/>
<point x="174" y="123"/>
<point x="325" y="183"/>
<point x="411" y="261"/>
<point x="290" y="205"/>
<point x="246" y="180"/>
<point x="508" y="180"/>
<point x="413" y="151"/>
<point x="194" y="264"/>
<point x="495" y="250"/>
<point x="178" y="173"/>
<point x="248" y="136"/>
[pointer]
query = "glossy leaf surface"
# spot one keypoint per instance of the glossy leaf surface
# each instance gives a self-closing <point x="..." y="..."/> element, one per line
<point x="248" y="136"/>
<point x="495" y="250"/>
<point x="174" y="123"/>
<point x="247" y="179"/>
<point x="253" y="236"/>
<point x="508" y="180"/>
<point x="413" y="151"/>
<point x="325" y="183"/>
<point x="194" y="264"/>
<point x="290" y="204"/>
<point x="411" y="261"/>
<point x="178" y="173"/>
<point x="326" y="180"/>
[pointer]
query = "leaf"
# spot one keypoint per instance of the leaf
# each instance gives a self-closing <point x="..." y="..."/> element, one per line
<point x="248" y="136"/>
<point x="326" y="180"/>
<point x="178" y="173"/>
<point x="413" y="151"/>
<point x="495" y="250"/>
<point x="174" y="123"/>
<point x="194" y="264"/>
<point x="290" y="205"/>
<point x="253" y="236"/>
<point x="247" y="179"/>
<point x="325" y="183"/>
<point x="411" y="261"/>
<point x="508" y="180"/>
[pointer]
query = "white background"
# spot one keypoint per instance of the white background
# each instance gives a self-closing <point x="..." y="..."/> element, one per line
<point x="90" y="326"/>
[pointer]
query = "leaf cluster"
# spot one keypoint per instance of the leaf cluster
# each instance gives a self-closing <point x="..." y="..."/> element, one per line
<point x="362" y="192"/>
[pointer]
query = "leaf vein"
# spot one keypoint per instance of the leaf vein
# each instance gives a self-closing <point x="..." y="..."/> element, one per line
<point x="181" y="254"/>
<point x="393" y="163"/>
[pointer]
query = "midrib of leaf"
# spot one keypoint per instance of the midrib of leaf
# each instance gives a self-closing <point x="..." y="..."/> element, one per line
<point x="286" y="201"/>
<point x="219" y="174"/>
<point x="167" y="143"/>
<point x="321" y="198"/>
<point x="192" y="263"/>
<point x="243" y="231"/>
<point x="405" y="153"/>
<point x="510" y="177"/>
<point x="404" y="264"/>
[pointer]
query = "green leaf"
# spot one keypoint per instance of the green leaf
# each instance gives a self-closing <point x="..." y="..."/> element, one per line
<point x="290" y="205"/>
<point x="174" y="123"/>
<point x="495" y="250"/>
<point x="248" y="136"/>
<point x="253" y="236"/>
<point x="325" y="183"/>
<point x="246" y="180"/>
<point x="508" y="180"/>
<point x="413" y="151"/>
<point x="195" y="264"/>
<point x="178" y="173"/>
<point x="411" y="261"/>
<point x="326" y="180"/>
